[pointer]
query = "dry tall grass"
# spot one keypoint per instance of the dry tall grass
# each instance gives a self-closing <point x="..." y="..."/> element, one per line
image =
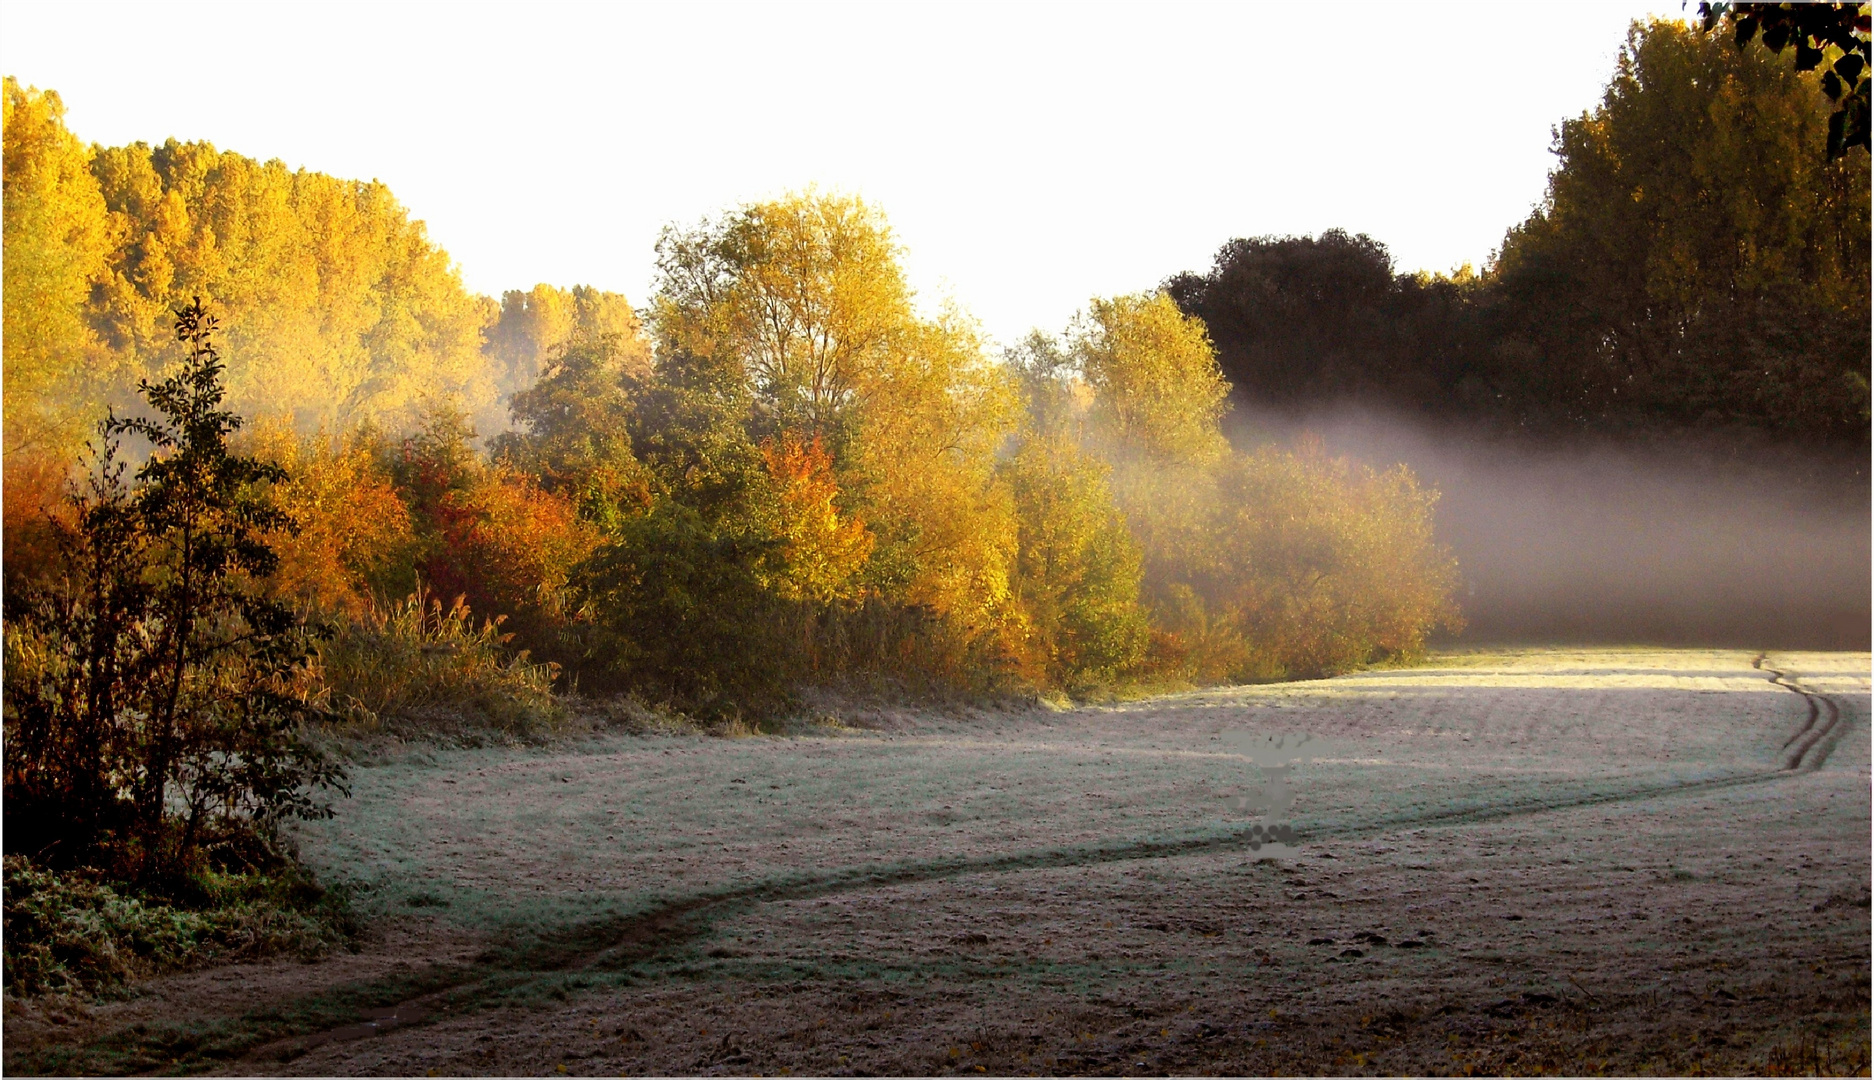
<point x="415" y="660"/>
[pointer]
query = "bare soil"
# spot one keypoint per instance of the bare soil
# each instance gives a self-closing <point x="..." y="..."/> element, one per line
<point x="1621" y="861"/>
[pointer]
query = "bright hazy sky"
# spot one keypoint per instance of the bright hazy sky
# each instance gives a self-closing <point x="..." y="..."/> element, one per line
<point x="1028" y="157"/>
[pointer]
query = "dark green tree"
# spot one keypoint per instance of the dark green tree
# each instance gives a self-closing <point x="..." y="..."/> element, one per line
<point x="677" y="595"/>
<point x="152" y="712"/>
<point x="1694" y="265"/>
<point x="1300" y="322"/>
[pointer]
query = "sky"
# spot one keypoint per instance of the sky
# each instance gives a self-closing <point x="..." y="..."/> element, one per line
<point x="1028" y="156"/>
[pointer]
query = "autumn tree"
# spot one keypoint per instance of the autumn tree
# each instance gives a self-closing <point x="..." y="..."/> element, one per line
<point x="340" y="308"/>
<point x="573" y="426"/>
<point x="1322" y="565"/>
<point x="57" y="236"/>
<point x="805" y="292"/>
<point x="1269" y="564"/>
<point x="1832" y="37"/>
<point x="823" y="551"/>
<point x="1077" y="572"/>
<point x="1695" y="260"/>
<point x="356" y="542"/>
<point x="535" y="328"/>
<point x="1158" y="391"/>
<point x="488" y="531"/>
<point x="804" y="302"/>
<point x="151" y="706"/>
<point x="1156" y="397"/>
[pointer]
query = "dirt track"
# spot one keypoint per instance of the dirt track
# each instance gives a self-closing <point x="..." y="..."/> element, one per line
<point x="1624" y="861"/>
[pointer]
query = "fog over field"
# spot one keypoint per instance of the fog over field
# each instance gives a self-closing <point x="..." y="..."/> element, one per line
<point x="1674" y="543"/>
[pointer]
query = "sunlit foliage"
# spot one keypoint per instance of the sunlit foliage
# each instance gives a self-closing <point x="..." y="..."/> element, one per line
<point x="822" y="551"/>
<point x="356" y="539"/>
<point x="58" y="236"/>
<point x="1323" y="565"/>
<point x="339" y="308"/>
<point x="1831" y="37"/>
<point x="489" y="532"/>
<point x="798" y="310"/>
<point x="788" y="472"/>
<point x="573" y="426"/>
<point x="1078" y="568"/>
<point x="1158" y="390"/>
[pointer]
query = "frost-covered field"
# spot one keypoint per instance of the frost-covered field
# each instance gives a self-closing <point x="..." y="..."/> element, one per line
<point x="1621" y="860"/>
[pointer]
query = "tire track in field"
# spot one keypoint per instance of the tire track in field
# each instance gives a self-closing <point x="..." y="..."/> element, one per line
<point x="620" y="943"/>
<point x="1808" y="749"/>
<point x="623" y="942"/>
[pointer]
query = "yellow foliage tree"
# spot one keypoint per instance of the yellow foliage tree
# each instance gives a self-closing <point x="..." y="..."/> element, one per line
<point x="57" y="238"/>
<point x="1159" y="392"/>
<point x="339" y="308"/>
<point x="805" y="297"/>
<point x="1077" y="575"/>
<point x="1157" y="397"/>
<point x="805" y="291"/>
<point x="1270" y="564"/>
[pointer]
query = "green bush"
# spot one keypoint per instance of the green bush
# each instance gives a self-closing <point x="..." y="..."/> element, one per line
<point x="682" y="615"/>
<point x="72" y="934"/>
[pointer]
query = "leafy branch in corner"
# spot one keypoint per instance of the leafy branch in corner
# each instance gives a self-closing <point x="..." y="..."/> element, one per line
<point x="1835" y="33"/>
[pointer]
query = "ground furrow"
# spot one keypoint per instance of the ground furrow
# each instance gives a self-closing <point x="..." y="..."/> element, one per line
<point x="1823" y="722"/>
<point x="619" y="944"/>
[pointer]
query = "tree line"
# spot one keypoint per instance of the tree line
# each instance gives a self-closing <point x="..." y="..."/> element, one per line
<point x="338" y="308"/>
<point x="1699" y="262"/>
<point x="788" y="477"/>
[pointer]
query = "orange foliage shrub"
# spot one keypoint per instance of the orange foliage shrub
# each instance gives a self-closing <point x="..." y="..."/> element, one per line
<point x="509" y="546"/>
<point x="822" y="551"/>
<point x="34" y="489"/>
<point x="356" y="540"/>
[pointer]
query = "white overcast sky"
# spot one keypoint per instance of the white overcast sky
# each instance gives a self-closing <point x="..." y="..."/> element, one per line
<point x="1028" y="156"/>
